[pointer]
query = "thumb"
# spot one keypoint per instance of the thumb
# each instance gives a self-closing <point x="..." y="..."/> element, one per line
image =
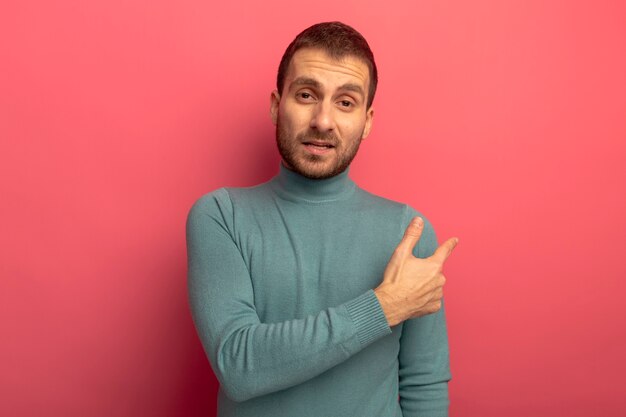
<point x="411" y="236"/>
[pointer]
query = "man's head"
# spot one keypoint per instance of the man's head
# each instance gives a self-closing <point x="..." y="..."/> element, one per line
<point x="338" y="40"/>
<point x="322" y="106"/>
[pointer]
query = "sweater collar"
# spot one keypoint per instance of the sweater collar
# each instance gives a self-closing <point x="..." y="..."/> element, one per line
<point x="292" y="185"/>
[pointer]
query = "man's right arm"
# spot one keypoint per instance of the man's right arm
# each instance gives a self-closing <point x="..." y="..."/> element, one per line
<point x="251" y="358"/>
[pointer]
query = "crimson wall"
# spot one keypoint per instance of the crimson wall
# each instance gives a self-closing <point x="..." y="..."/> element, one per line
<point x="504" y="122"/>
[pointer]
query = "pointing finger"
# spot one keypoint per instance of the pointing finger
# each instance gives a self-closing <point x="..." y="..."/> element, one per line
<point x="412" y="235"/>
<point x="446" y="248"/>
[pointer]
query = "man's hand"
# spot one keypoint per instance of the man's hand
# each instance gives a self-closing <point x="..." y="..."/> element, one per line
<point x="413" y="287"/>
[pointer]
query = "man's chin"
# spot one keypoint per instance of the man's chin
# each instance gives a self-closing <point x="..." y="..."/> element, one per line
<point x="317" y="170"/>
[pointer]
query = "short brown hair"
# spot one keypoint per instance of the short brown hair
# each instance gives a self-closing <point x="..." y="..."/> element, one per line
<point x="336" y="39"/>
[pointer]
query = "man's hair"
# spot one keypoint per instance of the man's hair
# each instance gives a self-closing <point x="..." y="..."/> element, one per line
<point x="338" y="40"/>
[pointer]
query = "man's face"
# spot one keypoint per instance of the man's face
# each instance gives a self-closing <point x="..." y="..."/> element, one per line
<point x="321" y="114"/>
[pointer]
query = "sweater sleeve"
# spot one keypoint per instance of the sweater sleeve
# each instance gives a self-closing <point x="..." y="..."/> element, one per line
<point x="424" y="357"/>
<point x="248" y="357"/>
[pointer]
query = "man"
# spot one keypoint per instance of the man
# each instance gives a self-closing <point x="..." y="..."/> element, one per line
<point x="311" y="296"/>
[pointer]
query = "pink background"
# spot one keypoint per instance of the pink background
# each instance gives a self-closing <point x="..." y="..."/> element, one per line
<point x="503" y="121"/>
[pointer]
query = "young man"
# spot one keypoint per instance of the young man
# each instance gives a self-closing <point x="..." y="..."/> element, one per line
<point x="311" y="296"/>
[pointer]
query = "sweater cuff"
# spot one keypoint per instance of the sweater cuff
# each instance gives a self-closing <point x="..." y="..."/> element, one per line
<point x="368" y="317"/>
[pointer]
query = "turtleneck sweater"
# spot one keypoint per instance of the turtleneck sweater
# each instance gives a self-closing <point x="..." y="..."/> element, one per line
<point x="281" y="278"/>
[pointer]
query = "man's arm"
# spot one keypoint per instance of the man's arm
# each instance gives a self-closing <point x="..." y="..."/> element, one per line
<point x="248" y="357"/>
<point x="424" y="367"/>
<point x="424" y="357"/>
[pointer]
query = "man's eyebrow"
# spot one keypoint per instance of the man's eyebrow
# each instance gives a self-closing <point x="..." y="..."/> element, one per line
<point x="306" y="81"/>
<point x="353" y="87"/>
<point x="316" y="84"/>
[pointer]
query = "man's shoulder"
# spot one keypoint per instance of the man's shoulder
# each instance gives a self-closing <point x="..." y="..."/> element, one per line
<point x="212" y="199"/>
<point x="377" y="202"/>
<point x="214" y="205"/>
<point x="223" y="199"/>
<point x="389" y="209"/>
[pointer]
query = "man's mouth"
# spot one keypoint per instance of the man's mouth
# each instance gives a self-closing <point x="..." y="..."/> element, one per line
<point x="319" y="144"/>
<point x="318" y="147"/>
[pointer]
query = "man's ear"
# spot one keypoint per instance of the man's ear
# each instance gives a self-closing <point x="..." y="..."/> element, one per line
<point x="274" y="102"/>
<point x="369" y="119"/>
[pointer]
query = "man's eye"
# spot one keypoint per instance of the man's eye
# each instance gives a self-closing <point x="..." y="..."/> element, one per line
<point x="346" y="103"/>
<point x="305" y="95"/>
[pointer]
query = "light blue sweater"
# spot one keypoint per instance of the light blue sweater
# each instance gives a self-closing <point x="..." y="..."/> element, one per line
<point x="281" y="280"/>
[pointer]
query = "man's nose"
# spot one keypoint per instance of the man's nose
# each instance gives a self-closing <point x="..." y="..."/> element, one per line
<point x="322" y="119"/>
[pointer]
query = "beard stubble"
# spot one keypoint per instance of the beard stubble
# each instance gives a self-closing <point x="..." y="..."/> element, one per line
<point x="288" y="149"/>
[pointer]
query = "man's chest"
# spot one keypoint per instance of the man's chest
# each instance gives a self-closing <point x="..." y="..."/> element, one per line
<point x="299" y="265"/>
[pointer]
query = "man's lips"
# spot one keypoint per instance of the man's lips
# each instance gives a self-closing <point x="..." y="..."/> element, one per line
<point x="318" y="147"/>
<point x="319" y="143"/>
